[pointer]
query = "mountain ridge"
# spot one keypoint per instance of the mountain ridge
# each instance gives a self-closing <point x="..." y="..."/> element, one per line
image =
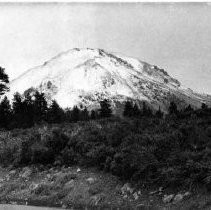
<point x="85" y="76"/>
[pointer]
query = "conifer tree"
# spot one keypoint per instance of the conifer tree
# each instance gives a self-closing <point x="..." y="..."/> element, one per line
<point x="17" y="108"/>
<point x="84" y="114"/>
<point x="135" y="111"/>
<point x="204" y="106"/>
<point x="159" y="113"/>
<point x="40" y="107"/>
<point x="29" y="112"/>
<point x="4" y="80"/>
<point x="68" y="115"/>
<point x="5" y="113"/>
<point x="128" y="109"/>
<point x="173" y="108"/>
<point x="75" y="114"/>
<point x="105" y="109"/>
<point x="149" y="112"/>
<point x="55" y="113"/>
<point x="93" y="115"/>
<point x="144" y="109"/>
<point x="188" y="108"/>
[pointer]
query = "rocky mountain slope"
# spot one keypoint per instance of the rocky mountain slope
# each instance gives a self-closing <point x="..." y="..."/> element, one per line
<point x="85" y="76"/>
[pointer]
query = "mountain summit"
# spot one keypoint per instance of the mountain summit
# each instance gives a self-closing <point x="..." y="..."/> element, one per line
<point x="85" y="76"/>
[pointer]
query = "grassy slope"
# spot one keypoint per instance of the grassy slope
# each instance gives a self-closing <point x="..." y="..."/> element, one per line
<point x="66" y="188"/>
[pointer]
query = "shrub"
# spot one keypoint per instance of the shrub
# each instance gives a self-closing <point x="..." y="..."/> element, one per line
<point x="208" y="131"/>
<point x="171" y="151"/>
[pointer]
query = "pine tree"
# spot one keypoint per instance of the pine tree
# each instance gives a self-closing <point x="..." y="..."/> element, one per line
<point x="75" y="114"/>
<point x="149" y="112"/>
<point x="188" y="108"/>
<point x="128" y="109"/>
<point x="40" y="107"/>
<point x="5" y="113"/>
<point x="84" y="114"/>
<point x="144" y="109"/>
<point x="18" y="109"/>
<point x="204" y="106"/>
<point x="135" y="111"/>
<point x="173" y="108"/>
<point x="159" y="113"/>
<point x="4" y="80"/>
<point x="93" y="115"/>
<point x="29" y="112"/>
<point x="55" y="113"/>
<point x="105" y="109"/>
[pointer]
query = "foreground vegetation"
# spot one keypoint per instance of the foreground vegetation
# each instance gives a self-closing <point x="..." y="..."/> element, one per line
<point x="169" y="152"/>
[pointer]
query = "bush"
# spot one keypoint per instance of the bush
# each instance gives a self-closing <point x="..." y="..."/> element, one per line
<point x="172" y="151"/>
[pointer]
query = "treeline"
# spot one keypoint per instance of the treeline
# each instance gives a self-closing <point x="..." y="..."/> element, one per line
<point x="28" y="110"/>
<point x="31" y="109"/>
<point x="132" y="110"/>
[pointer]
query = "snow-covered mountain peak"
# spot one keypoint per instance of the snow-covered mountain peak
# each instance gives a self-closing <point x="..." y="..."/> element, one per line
<point x="85" y="76"/>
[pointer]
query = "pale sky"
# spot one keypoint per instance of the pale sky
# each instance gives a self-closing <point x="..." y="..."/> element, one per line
<point x="176" y="37"/>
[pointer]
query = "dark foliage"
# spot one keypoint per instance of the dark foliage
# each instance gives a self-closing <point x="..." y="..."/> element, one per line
<point x="75" y="114"/>
<point x="204" y="106"/>
<point x="27" y="111"/>
<point x="20" y="118"/>
<point x="135" y="111"/>
<point x="131" y="110"/>
<point x="173" y="108"/>
<point x="105" y="109"/>
<point x="159" y="113"/>
<point x="4" y="80"/>
<point x="93" y="115"/>
<point x="128" y="109"/>
<point x="40" y="107"/>
<point x="55" y="113"/>
<point x="146" y="150"/>
<point x="5" y="113"/>
<point x="84" y="114"/>
<point x="188" y="108"/>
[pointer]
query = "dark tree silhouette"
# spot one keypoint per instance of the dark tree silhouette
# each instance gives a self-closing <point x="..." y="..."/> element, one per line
<point x="18" y="109"/>
<point x="40" y="107"/>
<point x="204" y="106"/>
<point x="75" y="114"/>
<point x="159" y="113"/>
<point x="135" y="111"/>
<point x="4" y="80"/>
<point x="67" y="115"/>
<point x="173" y="108"/>
<point x="84" y="114"/>
<point x="29" y="112"/>
<point x="5" y="113"/>
<point x="128" y="109"/>
<point x="188" y="108"/>
<point x="105" y="109"/>
<point x="93" y="115"/>
<point x="55" y="113"/>
<point x="144" y="109"/>
<point x="149" y="112"/>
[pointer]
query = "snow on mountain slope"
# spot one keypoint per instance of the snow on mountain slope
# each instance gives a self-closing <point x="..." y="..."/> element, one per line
<point x="86" y="76"/>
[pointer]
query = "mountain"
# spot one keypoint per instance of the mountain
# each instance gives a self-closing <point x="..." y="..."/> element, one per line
<point x="85" y="76"/>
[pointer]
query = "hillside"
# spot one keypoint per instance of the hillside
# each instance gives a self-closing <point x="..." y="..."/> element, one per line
<point x="145" y="163"/>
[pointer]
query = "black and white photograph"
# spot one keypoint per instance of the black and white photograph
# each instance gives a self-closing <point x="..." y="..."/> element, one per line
<point x="105" y="105"/>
